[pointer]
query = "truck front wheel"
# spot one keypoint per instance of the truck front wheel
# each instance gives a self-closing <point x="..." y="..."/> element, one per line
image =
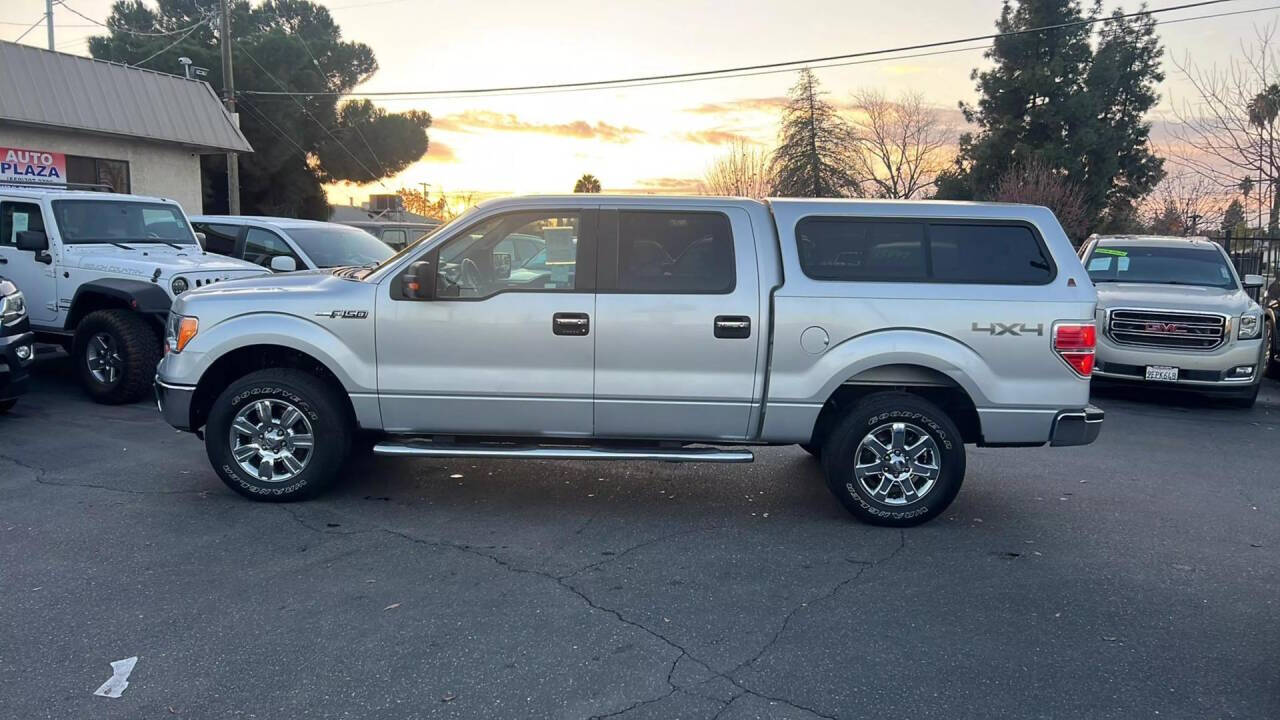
<point x="116" y="353"/>
<point x="278" y="435"/>
<point x="895" y="459"/>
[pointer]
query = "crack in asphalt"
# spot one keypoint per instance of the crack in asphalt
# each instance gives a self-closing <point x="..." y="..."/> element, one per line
<point x="39" y="477"/>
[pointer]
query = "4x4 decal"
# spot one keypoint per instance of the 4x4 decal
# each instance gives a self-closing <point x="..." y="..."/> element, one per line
<point x="1014" y="329"/>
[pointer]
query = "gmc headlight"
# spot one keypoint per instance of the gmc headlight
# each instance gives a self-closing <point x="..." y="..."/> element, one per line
<point x="1250" y="326"/>
<point x="179" y="285"/>
<point x="12" y="308"/>
<point x="178" y="331"/>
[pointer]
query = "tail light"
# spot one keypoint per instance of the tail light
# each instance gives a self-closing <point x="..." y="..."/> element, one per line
<point x="1075" y="343"/>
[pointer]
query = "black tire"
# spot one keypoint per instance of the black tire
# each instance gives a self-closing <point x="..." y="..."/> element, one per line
<point x="919" y="417"/>
<point x="133" y="341"/>
<point x="324" y="413"/>
<point x="813" y="449"/>
<point x="7" y="405"/>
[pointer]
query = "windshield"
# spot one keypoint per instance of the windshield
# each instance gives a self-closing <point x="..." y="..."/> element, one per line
<point x="339" y="245"/>
<point x="1161" y="265"/>
<point x="117" y="221"/>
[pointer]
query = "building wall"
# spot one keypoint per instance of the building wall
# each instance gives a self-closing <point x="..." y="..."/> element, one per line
<point x="159" y="169"/>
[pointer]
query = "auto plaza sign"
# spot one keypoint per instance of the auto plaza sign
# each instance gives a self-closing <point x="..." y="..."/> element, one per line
<point x="32" y="166"/>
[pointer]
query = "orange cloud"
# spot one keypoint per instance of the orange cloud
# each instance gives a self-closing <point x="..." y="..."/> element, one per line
<point x="715" y="137"/>
<point x="670" y="185"/>
<point x="473" y="120"/>
<point x="438" y="152"/>
<point x="764" y="104"/>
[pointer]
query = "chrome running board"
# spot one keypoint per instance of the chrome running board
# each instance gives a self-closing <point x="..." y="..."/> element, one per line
<point x="411" y="448"/>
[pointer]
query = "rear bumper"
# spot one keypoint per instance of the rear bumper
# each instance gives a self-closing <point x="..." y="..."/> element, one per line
<point x="14" y="371"/>
<point x="1077" y="427"/>
<point x="174" y="402"/>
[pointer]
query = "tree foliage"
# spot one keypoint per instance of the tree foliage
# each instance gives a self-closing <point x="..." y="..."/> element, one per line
<point x="1034" y="182"/>
<point x="900" y="145"/>
<point x="1068" y="99"/>
<point x="814" y="142"/>
<point x="299" y="143"/>
<point x="742" y="171"/>
<point x="588" y="183"/>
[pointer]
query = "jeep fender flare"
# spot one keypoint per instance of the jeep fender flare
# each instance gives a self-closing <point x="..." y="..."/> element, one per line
<point x="137" y="295"/>
<point x="356" y="374"/>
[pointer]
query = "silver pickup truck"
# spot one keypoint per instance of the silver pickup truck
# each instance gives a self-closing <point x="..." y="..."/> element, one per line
<point x="881" y="336"/>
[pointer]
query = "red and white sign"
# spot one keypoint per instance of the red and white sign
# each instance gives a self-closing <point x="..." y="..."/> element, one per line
<point x="32" y="166"/>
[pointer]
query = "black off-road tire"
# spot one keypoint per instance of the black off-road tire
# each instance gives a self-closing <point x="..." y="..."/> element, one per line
<point x="138" y="345"/>
<point x="321" y="405"/>
<point x="875" y="411"/>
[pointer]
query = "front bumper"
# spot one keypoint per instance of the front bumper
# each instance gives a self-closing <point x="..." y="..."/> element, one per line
<point x="1199" y="371"/>
<point x="14" y="371"/>
<point x="1077" y="427"/>
<point x="174" y="402"/>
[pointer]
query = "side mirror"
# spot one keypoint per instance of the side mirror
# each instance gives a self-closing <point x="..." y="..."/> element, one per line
<point x="502" y="265"/>
<point x="283" y="263"/>
<point x="33" y="241"/>
<point x="200" y="238"/>
<point x="416" y="284"/>
<point x="1253" y="281"/>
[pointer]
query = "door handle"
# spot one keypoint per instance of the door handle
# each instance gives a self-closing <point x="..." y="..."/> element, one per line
<point x="570" y="323"/>
<point x="733" y="326"/>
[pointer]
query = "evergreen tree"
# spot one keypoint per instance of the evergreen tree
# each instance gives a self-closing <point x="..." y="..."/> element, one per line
<point x="1053" y="97"/>
<point x="299" y="143"/>
<point x="812" y="157"/>
<point x="588" y="183"/>
<point x="1233" y="220"/>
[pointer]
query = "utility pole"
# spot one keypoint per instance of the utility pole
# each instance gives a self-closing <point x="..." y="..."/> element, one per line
<point x="48" y="19"/>
<point x="229" y="98"/>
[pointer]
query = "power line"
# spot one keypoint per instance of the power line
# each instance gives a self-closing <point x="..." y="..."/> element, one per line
<point x="316" y="62"/>
<point x="34" y="25"/>
<point x="166" y="48"/>
<point x="788" y="64"/>
<point x="250" y="106"/>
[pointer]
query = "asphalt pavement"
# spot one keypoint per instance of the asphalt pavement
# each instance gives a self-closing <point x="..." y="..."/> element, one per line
<point x="1135" y="578"/>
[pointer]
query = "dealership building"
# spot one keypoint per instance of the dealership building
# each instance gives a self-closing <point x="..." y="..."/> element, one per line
<point x="71" y="119"/>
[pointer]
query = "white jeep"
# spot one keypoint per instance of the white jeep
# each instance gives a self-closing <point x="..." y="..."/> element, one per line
<point x="99" y="271"/>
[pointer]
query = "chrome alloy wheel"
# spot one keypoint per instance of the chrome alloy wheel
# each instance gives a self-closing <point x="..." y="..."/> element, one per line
<point x="897" y="463"/>
<point x="271" y="440"/>
<point x="103" y="358"/>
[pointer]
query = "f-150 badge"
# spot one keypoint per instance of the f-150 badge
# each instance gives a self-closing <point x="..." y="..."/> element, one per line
<point x="345" y="314"/>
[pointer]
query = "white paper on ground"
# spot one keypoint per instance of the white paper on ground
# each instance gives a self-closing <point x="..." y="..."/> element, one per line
<point x="119" y="679"/>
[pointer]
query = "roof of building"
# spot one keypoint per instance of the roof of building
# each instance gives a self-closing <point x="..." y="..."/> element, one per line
<point x="352" y="214"/>
<point x="52" y="89"/>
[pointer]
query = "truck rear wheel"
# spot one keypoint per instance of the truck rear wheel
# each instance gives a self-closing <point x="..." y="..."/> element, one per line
<point x="278" y="435"/>
<point x="116" y="354"/>
<point x="895" y="459"/>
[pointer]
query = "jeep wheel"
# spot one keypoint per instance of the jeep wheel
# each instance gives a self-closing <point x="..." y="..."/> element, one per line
<point x="895" y="459"/>
<point x="278" y="435"/>
<point x="116" y="353"/>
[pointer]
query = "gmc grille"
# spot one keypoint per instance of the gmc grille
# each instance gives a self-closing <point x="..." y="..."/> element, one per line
<point x="1167" y="330"/>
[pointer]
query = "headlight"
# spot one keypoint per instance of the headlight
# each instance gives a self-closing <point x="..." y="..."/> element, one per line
<point x="1250" y="326"/>
<point x="12" y="308"/>
<point x="178" y="332"/>
<point x="179" y="285"/>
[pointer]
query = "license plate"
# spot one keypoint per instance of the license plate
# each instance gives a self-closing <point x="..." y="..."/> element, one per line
<point x="1162" y="373"/>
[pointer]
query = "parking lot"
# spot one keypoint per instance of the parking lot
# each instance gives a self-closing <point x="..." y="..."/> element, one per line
<point x="1137" y="577"/>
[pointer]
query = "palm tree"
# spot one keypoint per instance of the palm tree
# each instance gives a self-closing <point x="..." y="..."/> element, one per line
<point x="1263" y="111"/>
<point x="588" y="183"/>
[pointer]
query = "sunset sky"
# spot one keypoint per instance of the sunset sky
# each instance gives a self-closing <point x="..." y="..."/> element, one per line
<point x="651" y="139"/>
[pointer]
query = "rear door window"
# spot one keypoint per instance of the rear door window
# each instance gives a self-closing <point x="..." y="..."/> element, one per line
<point x="675" y="252"/>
